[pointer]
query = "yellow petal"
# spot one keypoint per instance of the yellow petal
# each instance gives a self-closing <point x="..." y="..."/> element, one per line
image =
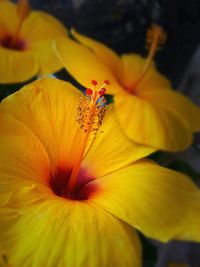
<point x="46" y="57"/>
<point x="157" y="201"/>
<point x="84" y="65"/>
<point x="111" y="149"/>
<point x="40" y="26"/>
<point x="177" y="104"/>
<point x="132" y="68"/>
<point x="22" y="159"/>
<point x="40" y="30"/>
<point x="70" y="233"/>
<point x="105" y="54"/>
<point x="48" y="107"/>
<point x="151" y="125"/>
<point x="16" y="66"/>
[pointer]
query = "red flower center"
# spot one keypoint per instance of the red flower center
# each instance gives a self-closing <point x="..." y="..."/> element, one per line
<point x="83" y="189"/>
<point x="7" y="42"/>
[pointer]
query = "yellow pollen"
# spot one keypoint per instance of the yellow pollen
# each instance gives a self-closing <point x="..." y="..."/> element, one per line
<point x="155" y="36"/>
<point x="90" y="115"/>
<point x="23" y="11"/>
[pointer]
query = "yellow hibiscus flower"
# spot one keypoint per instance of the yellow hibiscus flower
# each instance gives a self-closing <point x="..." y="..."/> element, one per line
<point x="147" y="108"/>
<point x="26" y="39"/>
<point x="71" y="194"/>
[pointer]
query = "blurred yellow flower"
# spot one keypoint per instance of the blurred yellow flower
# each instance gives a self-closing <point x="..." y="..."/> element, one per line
<point x="148" y="110"/>
<point x="26" y="39"/>
<point x="69" y="199"/>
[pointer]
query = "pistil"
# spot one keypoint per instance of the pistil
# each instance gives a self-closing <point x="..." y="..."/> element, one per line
<point x="155" y="37"/>
<point x="23" y="11"/>
<point x="90" y="115"/>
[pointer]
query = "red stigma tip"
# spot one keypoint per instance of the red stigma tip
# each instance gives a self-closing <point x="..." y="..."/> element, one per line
<point x="89" y="91"/>
<point x="102" y="91"/>
<point x="94" y="82"/>
<point x="107" y="82"/>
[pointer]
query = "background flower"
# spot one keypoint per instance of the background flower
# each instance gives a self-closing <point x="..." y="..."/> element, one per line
<point x="26" y="43"/>
<point x="148" y="110"/>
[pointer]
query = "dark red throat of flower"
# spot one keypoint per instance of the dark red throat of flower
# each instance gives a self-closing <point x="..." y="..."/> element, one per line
<point x="13" y="41"/>
<point x="7" y="42"/>
<point x="83" y="189"/>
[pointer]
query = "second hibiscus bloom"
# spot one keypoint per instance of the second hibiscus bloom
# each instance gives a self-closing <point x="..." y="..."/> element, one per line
<point x="148" y="110"/>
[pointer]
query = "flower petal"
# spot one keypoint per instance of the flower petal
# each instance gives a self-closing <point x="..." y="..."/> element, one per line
<point x="22" y="159"/>
<point x="132" y="68"/>
<point x="17" y="66"/>
<point x="84" y="65"/>
<point x="48" y="108"/>
<point x="105" y="54"/>
<point x="40" y="26"/>
<point x="46" y="57"/>
<point x="40" y="30"/>
<point x="70" y="233"/>
<point x="151" y="125"/>
<point x="112" y="150"/>
<point x="177" y="104"/>
<point x="161" y="203"/>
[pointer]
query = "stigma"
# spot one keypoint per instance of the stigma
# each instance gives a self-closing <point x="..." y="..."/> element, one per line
<point x="155" y="38"/>
<point x="92" y="109"/>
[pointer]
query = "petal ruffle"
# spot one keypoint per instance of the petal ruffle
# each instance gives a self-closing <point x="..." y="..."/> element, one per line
<point x="106" y="55"/>
<point x="161" y="203"/>
<point x="176" y="103"/>
<point x="151" y="125"/>
<point x="84" y="65"/>
<point x="17" y="66"/>
<point x="70" y="233"/>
